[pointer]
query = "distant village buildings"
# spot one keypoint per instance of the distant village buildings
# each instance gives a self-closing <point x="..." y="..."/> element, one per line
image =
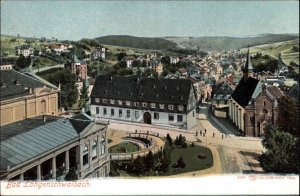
<point x="26" y="50"/>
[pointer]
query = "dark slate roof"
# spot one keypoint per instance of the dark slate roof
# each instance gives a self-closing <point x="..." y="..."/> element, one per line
<point x="132" y="88"/>
<point x="24" y="140"/>
<point x="15" y="84"/>
<point x="224" y="89"/>
<point x="244" y="91"/>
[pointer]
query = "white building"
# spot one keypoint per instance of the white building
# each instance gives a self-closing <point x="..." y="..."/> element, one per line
<point x="166" y="102"/>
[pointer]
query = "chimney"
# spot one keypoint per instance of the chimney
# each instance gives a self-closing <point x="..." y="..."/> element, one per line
<point x="44" y="118"/>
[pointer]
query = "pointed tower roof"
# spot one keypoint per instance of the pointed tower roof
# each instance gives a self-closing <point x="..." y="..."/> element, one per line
<point x="248" y="64"/>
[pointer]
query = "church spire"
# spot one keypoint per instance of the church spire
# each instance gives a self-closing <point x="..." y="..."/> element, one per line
<point x="248" y="68"/>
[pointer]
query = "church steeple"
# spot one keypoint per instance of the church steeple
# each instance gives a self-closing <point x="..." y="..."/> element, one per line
<point x="248" y="68"/>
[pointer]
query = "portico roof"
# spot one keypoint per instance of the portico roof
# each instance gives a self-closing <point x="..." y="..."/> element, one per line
<point x="27" y="139"/>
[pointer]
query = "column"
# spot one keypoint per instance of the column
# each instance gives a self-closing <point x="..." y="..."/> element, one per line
<point x="233" y="112"/>
<point x="90" y="152"/>
<point x="236" y="115"/>
<point x="54" y="167"/>
<point x="38" y="171"/>
<point x="67" y="160"/>
<point x="21" y="176"/>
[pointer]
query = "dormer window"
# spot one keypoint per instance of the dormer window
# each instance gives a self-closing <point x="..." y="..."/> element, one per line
<point x="161" y="106"/>
<point x="97" y="100"/>
<point x="180" y="108"/>
<point x="112" y="101"/>
<point x="171" y="107"/>
<point x="144" y="104"/>
<point x="104" y="100"/>
<point x="120" y="102"/>
<point x="152" y="105"/>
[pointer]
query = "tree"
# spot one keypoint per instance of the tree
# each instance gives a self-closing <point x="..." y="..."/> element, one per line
<point x="288" y="116"/>
<point x="282" y="155"/>
<point x="69" y="93"/>
<point x="71" y="175"/>
<point x="149" y="161"/>
<point x="169" y="140"/>
<point x="84" y="94"/>
<point x="121" y="55"/>
<point x="180" y="162"/>
<point x="21" y="62"/>
<point x="138" y="165"/>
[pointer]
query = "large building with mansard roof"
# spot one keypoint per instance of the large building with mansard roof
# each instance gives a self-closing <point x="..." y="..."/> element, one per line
<point x="158" y="101"/>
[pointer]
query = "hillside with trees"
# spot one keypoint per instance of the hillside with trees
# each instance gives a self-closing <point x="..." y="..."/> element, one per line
<point x="137" y="42"/>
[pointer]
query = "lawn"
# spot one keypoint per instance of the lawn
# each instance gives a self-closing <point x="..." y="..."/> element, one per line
<point x="195" y="158"/>
<point x="124" y="147"/>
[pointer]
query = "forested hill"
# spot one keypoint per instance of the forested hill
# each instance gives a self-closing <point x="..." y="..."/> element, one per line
<point x="225" y="43"/>
<point x="136" y="42"/>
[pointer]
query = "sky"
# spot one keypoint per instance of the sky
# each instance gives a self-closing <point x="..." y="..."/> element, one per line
<point x="74" y="20"/>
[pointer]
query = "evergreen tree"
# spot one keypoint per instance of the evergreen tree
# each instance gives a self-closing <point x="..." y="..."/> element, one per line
<point x="288" y="116"/>
<point x="21" y="62"/>
<point x="180" y="162"/>
<point x="84" y="94"/>
<point x="149" y="161"/>
<point x="282" y="155"/>
<point x="169" y="140"/>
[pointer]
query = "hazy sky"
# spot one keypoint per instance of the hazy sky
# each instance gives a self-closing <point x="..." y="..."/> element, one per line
<point x="78" y="19"/>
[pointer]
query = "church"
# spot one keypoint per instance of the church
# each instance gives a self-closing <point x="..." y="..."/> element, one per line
<point x="253" y="105"/>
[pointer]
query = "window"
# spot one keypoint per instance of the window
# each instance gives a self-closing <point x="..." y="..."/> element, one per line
<point x="120" y="102"/>
<point x="128" y="113"/>
<point x="144" y="104"/>
<point x="161" y="106"/>
<point x="170" y="107"/>
<point x="112" y="112"/>
<point x="180" y="108"/>
<point x="156" y="115"/>
<point x="128" y="103"/>
<point x="179" y="118"/>
<point x="104" y="100"/>
<point x="264" y="103"/>
<point x="135" y="104"/>
<point x="97" y="100"/>
<point x="112" y="101"/>
<point x="104" y="111"/>
<point x="94" y="150"/>
<point x="43" y="106"/>
<point x="85" y="155"/>
<point x="171" y="117"/>
<point x="152" y="105"/>
<point x="120" y="112"/>
<point x="136" y="114"/>
<point x="102" y="145"/>
<point x="97" y="110"/>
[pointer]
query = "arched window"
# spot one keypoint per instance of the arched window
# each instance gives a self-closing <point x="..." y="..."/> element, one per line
<point x="43" y="106"/>
<point x="85" y="155"/>
<point x="94" y="150"/>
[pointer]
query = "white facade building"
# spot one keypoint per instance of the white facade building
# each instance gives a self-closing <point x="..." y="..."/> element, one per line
<point x="166" y="102"/>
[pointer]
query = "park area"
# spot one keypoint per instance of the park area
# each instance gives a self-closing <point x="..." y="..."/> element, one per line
<point x="124" y="147"/>
<point x="194" y="158"/>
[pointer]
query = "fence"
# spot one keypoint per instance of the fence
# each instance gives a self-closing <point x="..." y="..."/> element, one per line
<point x="133" y="155"/>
